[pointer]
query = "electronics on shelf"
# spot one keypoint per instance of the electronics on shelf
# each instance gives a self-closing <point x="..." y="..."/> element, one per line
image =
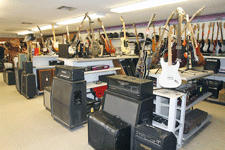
<point x="69" y="72"/>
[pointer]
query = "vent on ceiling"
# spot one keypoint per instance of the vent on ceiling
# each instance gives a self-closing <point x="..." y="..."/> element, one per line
<point x="26" y="23"/>
<point x="66" y="8"/>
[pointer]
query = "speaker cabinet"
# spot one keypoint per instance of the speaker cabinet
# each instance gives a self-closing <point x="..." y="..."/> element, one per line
<point x="21" y="58"/>
<point x="214" y="86"/>
<point x="9" y="77"/>
<point x="27" y="66"/>
<point x="47" y="97"/>
<point x="18" y="73"/>
<point x="212" y="64"/>
<point x="69" y="102"/>
<point x="44" y="78"/>
<point x="108" y="132"/>
<point x="28" y="85"/>
<point x="63" y="51"/>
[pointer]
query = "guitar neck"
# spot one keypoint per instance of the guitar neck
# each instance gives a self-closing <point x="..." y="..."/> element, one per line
<point x="124" y="31"/>
<point x="221" y="31"/>
<point x="53" y="32"/>
<point x="169" y="47"/>
<point x="154" y="33"/>
<point x="105" y="33"/>
<point x="217" y="34"/>
<point x="213" y="31"/>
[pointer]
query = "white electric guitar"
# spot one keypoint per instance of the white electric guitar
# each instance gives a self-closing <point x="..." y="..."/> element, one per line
<point x="169" y="77"/>
<point x="124" y="42"/>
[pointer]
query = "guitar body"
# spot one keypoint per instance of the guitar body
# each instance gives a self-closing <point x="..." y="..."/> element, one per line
<point x="137" y="48"/>
<point x="169" y="77"/>
<point x="201" y="58"/>
<point x="125" y="46"/>
<point x="211" y="47"/>
<point x="223" y="47"/>
<point x="154" y="45"/>
<point x="174" y="55"/>
<point x="202" y="44"/>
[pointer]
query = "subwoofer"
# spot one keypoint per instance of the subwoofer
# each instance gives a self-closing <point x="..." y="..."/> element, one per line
<point x="44" y="78"/>
<point x="28" y="85"/>
<point x="69" y="102"/>
<point x="108" y="132"/>
<point x="18" y="73"/>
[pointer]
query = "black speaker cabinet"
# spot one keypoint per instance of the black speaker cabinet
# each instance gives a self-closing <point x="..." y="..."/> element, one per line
<point x="27" y="67"/>
<point x="9" y="77"/>
<point x="69" y="102"/>
<point x="28" y="85"/>
<point x="212" y="64"/>
<point x="214" y="86"/>
<point x="18" y="73"/>
<point x="44" y="78"/>
<point x="63" y="51"/>
<point x="148" y="137"/>
<point x="108" y="132"/>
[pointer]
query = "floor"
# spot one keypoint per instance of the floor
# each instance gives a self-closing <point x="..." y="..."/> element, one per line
<point x="27" y="125"/>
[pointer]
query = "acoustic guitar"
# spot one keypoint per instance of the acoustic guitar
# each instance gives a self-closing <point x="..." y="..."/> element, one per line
<point x="125" y="47"/>
<point x="55" y="45"/>
<point x="108" y="43"/>
<point x="207" y="41"/>
<point x="169" y="77"/>
<point x="136" y="43"/>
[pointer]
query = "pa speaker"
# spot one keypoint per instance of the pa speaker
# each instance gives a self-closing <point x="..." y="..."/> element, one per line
<point x="69" y="102"/>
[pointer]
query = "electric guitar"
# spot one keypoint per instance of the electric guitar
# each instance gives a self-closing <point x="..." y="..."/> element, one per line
<point x="169" y="77"/>
<point x="44" y="48"/>
<point x="207" y="41"/>
<point x="222" y="41"/>
<point x="68" y="35"/>
<point x="202" y="42"/>
<point x="137" y="43"/>
<point x="155" y="39"/>
<point x="198" y="28"/>
<point x="124" y="41"/>
<point x="217" y="44"/>
<point x="108" y="43"/>
<point x="211" y="42"/>
<point x="55" y="45"/>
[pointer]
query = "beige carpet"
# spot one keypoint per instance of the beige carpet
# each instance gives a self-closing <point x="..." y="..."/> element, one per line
<point x="27" y="125"/>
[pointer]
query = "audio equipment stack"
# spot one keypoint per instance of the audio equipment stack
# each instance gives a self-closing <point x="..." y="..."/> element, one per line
<point x="68" y="96"/>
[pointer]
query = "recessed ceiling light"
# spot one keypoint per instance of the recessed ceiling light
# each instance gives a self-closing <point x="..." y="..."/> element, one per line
<point x="67" y="8"/>
<point x="25" y="32"/>
<point x="144" y="5"/>
<point x="45" y="27"/>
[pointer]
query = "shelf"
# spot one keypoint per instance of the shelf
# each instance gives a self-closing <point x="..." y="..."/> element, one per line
<point x="98" y="58"/>
<point x="43" y="67"/>
<point x="94" y="85"/>
<point x="167" y="93"/>
<point x="104" y="70"/>
<point x="203" y="97"/>
<point x="127" y="38"/>
<point x="159" y="125"/>
<point x="220" y="75"/>
<point x="55" y="56"/>
<point x="215" y="101"/>
<point x="215" y="56"/>
<point x="188" y="135"/>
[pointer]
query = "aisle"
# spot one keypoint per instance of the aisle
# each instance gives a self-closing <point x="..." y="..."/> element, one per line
<point x="27" y="125"/>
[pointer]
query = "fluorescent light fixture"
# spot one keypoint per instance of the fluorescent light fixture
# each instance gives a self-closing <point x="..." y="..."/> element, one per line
<point x="25" y="32"/>
<point x="144" y="5"/>
<point x="45" y="27"/>
<point x="79" y="19"/>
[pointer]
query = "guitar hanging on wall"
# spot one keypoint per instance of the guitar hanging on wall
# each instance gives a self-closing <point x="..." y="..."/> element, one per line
<point x="169" y="77"/>
<point x="124" y="41"/>
<point x="44" y="48"/>
<point x="221" y="40"/>
<point x="207" y="41"/>
<point x="211" y="41"/>
<point x="155" y="39"/>
<point x="108" y="43"/>
<point x="137" y="43"/>
<point x="202" y="42"/>
<point x="55" y="45"/>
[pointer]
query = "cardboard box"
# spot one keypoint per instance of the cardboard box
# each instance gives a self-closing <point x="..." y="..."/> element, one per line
<point x="222" y="95"/>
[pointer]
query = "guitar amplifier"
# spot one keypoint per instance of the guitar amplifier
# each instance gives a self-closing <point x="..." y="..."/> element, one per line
<point x="64" y="51"/>
<point x="202" y="86"/>
<point x="214" y="86"/>
<point x="212" y="64"/>
<point x="44" y="77"/>
<point x="109" y="132"/>
<point x="9" y="77"/>
<point x="28" y="85"/>
<point x="69" y="102"/>
<point x="18" y="73"/>
<point x="191" y="92"/>
<point x="193" y="119"/>
<point x="21" y="58"/>
<point x="47" y="97"/>
<point x="148" y="137"/>
<point x="69" y="72"/>
<point x="130" y="86"/>
<point x="27" y="67"/>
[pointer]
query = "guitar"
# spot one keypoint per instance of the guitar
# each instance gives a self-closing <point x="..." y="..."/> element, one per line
<point x="95" y="46"/>
<point x="221" y="40"/>
<point x="108" y="43"/>
<point x="44" y="48"/>
<point x="198" y="28"/>
<point x="124" y="41"/>
<point x="68" y="34"/>
<point x="141" y="67"/>
<point x="202" y="43"/>
<point x="137" y="43"/>
<point x="216" y="43"/>
<point x="155" y="39"/>
<point x="169" y="77"/>
<point x="55" y="45"/>
<point x="211" y="41"/>
<point x="207" y="41"/>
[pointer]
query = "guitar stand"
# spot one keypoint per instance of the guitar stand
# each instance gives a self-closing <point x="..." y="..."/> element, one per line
<point x="158" y="70"/>
<point x="186" y="71"/>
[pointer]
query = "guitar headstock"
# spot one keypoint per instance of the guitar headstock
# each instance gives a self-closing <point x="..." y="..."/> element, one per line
<point x="198" y="27"/>
<point x="213" y="25"/>
<point x="121" y="19"/>
<point x="134" y="25"/>
<point x="203" y="25"/>
<point x="194" y="28"/>
<point x="67" y="28"/>
<point x="210" y="25"/>
<point x="180" y="11"/>
<point x="99" y="20"/>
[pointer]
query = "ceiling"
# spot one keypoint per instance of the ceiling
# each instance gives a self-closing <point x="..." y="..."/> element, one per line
<point x="45" y="12"/>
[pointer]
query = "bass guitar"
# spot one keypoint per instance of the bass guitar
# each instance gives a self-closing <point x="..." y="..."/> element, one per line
<point x="108" y="43"/>
<point x="137" y="43"/>
<point x="125" y="47"/>
<point x="207" y="40"/>
<point x="169" y="77"/>
<point x="211" y="41"/>
<point x="55" y="45"/>
<point x="202" y="42"/>
<point x="44" y="47"/>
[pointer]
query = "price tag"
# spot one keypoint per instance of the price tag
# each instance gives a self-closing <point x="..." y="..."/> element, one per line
<point x="147" y="31"/>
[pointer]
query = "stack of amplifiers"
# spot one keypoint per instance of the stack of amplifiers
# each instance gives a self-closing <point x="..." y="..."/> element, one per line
<point x="109" y="132"/>
<point x="214" y="86"/>
<point x="18" y="73"/>
<point x="69" y="102"/>
<point x="131" y="86"/>
<point x="148" y="137"/>
<point x="44" y="78"/>
<point x="69" y="72"/>
<point x="28" y="85"/>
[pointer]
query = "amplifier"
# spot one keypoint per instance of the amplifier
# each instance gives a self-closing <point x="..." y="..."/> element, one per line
<point x="147" y="137"/>
<point x="69" y="72"/>
<point x="192" y="94"/>
<point x="109" y="132"/>
<point x="214" y="86"/>
<point x="69" y="102"/>
<point x="130" y="86"/>
<point x="47" y="97"/>
<point x="202" y="86"/>
<point x="64" y="51"/>
<point x="27" y="66"/>
<point x="212" y="64"/>
<point x="18" y="73"/>
<point x="9" y="76"/>
<point x="28" y="85"/>
<point x="44" y="78"/>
